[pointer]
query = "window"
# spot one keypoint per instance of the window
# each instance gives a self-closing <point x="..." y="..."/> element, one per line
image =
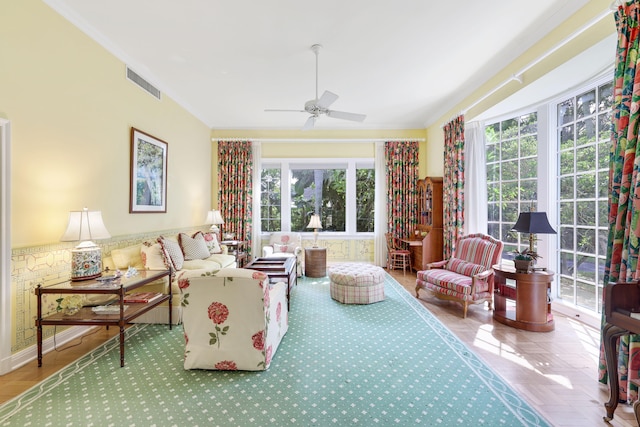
<point x="270" y="207"/>
<point x="583" y="143"/>
<point x="322" y="191"/>
<point x="342" y="193"/>
<point x="512" y="164"/>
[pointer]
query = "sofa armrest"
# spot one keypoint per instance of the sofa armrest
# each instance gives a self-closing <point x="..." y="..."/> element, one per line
<point x="481" y="277"/>
<point x="267" y="250"/>
<point x="437" y="264"/>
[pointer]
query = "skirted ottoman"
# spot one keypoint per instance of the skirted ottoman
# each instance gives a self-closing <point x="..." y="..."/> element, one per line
<point x="356" y="283"/>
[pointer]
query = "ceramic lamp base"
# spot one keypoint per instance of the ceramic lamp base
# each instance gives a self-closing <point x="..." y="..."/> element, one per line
<point x="86" y="263"/>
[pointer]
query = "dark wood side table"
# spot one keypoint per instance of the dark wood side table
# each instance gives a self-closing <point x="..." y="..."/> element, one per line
<point x="315" y="262"/>
<point x="530" y="291"/>
<point x="237" y="249"/>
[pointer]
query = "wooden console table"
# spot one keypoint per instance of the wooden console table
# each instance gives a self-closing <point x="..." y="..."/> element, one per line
<point x="530" y="292"/>
<point x="87" y="317"/>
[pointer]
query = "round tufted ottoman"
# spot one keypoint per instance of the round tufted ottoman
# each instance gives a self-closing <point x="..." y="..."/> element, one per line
<point x="356" y="283"/>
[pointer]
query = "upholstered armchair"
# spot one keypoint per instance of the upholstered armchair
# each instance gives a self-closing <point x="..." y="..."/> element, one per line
<point x="233" y="319"/>
<point x="285" y="245"/>
<point x="467" y="277"/>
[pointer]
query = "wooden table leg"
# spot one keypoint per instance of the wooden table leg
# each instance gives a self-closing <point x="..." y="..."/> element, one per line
<point x="121" y="346"/>
<point x="610" y="335"/>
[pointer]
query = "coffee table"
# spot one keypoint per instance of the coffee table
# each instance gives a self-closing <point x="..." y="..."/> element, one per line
<point x="283" y="268"/>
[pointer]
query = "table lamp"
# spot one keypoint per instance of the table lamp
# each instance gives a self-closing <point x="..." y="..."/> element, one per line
<point x="315" y="224"/>
<point x="215" y="219"/>
<point x="86" y="258"/>
<point x="533" y="223"/>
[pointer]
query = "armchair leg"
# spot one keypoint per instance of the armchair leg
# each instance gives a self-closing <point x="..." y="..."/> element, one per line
<point x="465" y="305"/>
<point x="417" y="289"/>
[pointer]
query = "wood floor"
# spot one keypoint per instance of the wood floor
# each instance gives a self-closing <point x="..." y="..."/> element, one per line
<point x="555" y="371"/>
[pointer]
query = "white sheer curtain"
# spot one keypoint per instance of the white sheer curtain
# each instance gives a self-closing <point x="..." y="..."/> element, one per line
<point x="475" y="186"/>
<point x="256" y="230"/>
<point x="380" y="214"/>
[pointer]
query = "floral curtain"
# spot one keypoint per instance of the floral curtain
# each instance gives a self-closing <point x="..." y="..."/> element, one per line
<point x="402" y="175"/>
<point x="453" y="184"/>
<point x="623" y="245"/>
<point x="235" y="184"/>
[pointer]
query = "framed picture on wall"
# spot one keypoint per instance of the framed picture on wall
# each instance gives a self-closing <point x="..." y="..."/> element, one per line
<point x="148" y="189"/>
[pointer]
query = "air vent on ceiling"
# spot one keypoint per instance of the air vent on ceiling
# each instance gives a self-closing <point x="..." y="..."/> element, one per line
<point x="137" y="79"/>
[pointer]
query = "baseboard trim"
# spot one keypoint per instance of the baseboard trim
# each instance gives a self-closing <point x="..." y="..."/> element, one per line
<point x="29" y="354"/>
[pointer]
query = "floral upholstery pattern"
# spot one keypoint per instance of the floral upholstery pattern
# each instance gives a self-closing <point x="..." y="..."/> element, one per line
<point x="285" y="245"/>
<point x="233" y="319"/>
<point x="467" y="277"/>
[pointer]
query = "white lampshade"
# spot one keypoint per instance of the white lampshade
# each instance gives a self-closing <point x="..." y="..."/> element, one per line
<point x="214" y="217"/>
<point x="315" y="223"/>
<point x="86" y="258"/>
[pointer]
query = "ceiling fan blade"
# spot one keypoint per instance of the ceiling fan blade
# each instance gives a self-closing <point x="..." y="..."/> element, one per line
<point x="326" y="99"/>
<point x="354" y="117"/>
<point x="283" y="111"/>
<point x="310" y="123"/>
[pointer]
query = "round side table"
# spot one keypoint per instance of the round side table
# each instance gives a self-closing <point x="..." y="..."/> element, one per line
<point x="315" y="262"/>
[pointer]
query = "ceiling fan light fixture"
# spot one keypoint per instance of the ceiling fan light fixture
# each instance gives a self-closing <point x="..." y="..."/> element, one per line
<point x="318" y="106"/>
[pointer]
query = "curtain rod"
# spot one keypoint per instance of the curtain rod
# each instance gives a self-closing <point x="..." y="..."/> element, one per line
<point x="518" y="76"/>
<point x="329" y="140"/>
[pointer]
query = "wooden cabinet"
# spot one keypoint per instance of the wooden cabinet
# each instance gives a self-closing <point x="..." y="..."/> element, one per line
<point x="429" y="228"/>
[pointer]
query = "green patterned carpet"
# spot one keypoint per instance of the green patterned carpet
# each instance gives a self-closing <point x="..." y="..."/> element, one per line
<point x="388" y="364"/>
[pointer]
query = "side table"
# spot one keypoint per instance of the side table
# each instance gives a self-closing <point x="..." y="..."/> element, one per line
<point x="237" y="249"/>
<point x="531" y="295"/>
<point x="315" y="262"/>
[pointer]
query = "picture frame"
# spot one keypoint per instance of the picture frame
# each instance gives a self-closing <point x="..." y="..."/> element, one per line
<point x="148" y="179"/>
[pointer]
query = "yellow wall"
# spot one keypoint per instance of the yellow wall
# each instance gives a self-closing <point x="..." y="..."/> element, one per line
<point x="71" y="109"/>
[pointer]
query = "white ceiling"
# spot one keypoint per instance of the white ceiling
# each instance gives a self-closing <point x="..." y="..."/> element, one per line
<point x="403" y="63"/>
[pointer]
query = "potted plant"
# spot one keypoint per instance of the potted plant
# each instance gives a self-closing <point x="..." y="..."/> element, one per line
<point x="524" y="259"/>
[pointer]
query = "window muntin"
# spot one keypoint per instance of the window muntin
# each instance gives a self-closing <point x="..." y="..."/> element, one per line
<point x="512" y="177"/>
<point x="342" y="192"/>
<point x="270" y="200"/>
<point x="583" y="144"/>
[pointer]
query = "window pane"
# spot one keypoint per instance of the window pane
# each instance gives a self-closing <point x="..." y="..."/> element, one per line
<point x="586" y="104"/>
<point x="566" y="137"/>
<point x="270" y="207"/>
<point x="566" y="162"/>
<point x="365" y="200"/>
<point x="318" y="190"/>
<point x="565" y="112"/>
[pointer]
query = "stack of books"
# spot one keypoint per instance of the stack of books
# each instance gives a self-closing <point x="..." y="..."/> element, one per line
<point x="142" y="297"/>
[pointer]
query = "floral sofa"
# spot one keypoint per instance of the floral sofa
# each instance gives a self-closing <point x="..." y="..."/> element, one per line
<point x="233" y="319"/>
<point x="285" y="245"/>
<point x="467" y="277"/>
<point x="199" y="252"/>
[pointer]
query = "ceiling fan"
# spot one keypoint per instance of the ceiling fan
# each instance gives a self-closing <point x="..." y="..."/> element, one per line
<point x="319" y="106"/>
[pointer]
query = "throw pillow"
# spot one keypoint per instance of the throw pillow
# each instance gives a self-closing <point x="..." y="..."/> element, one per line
<point x="283" y="248"/>
<point x="193" y="247"/>
<point x="172" y="252"/>
<point x="464" y="267"/>
<point x="152" y="256"/>
<point x="211" y="239"/>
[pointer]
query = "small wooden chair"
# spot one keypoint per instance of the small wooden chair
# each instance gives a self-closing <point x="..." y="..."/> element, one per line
<point x="397" y="258"/>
